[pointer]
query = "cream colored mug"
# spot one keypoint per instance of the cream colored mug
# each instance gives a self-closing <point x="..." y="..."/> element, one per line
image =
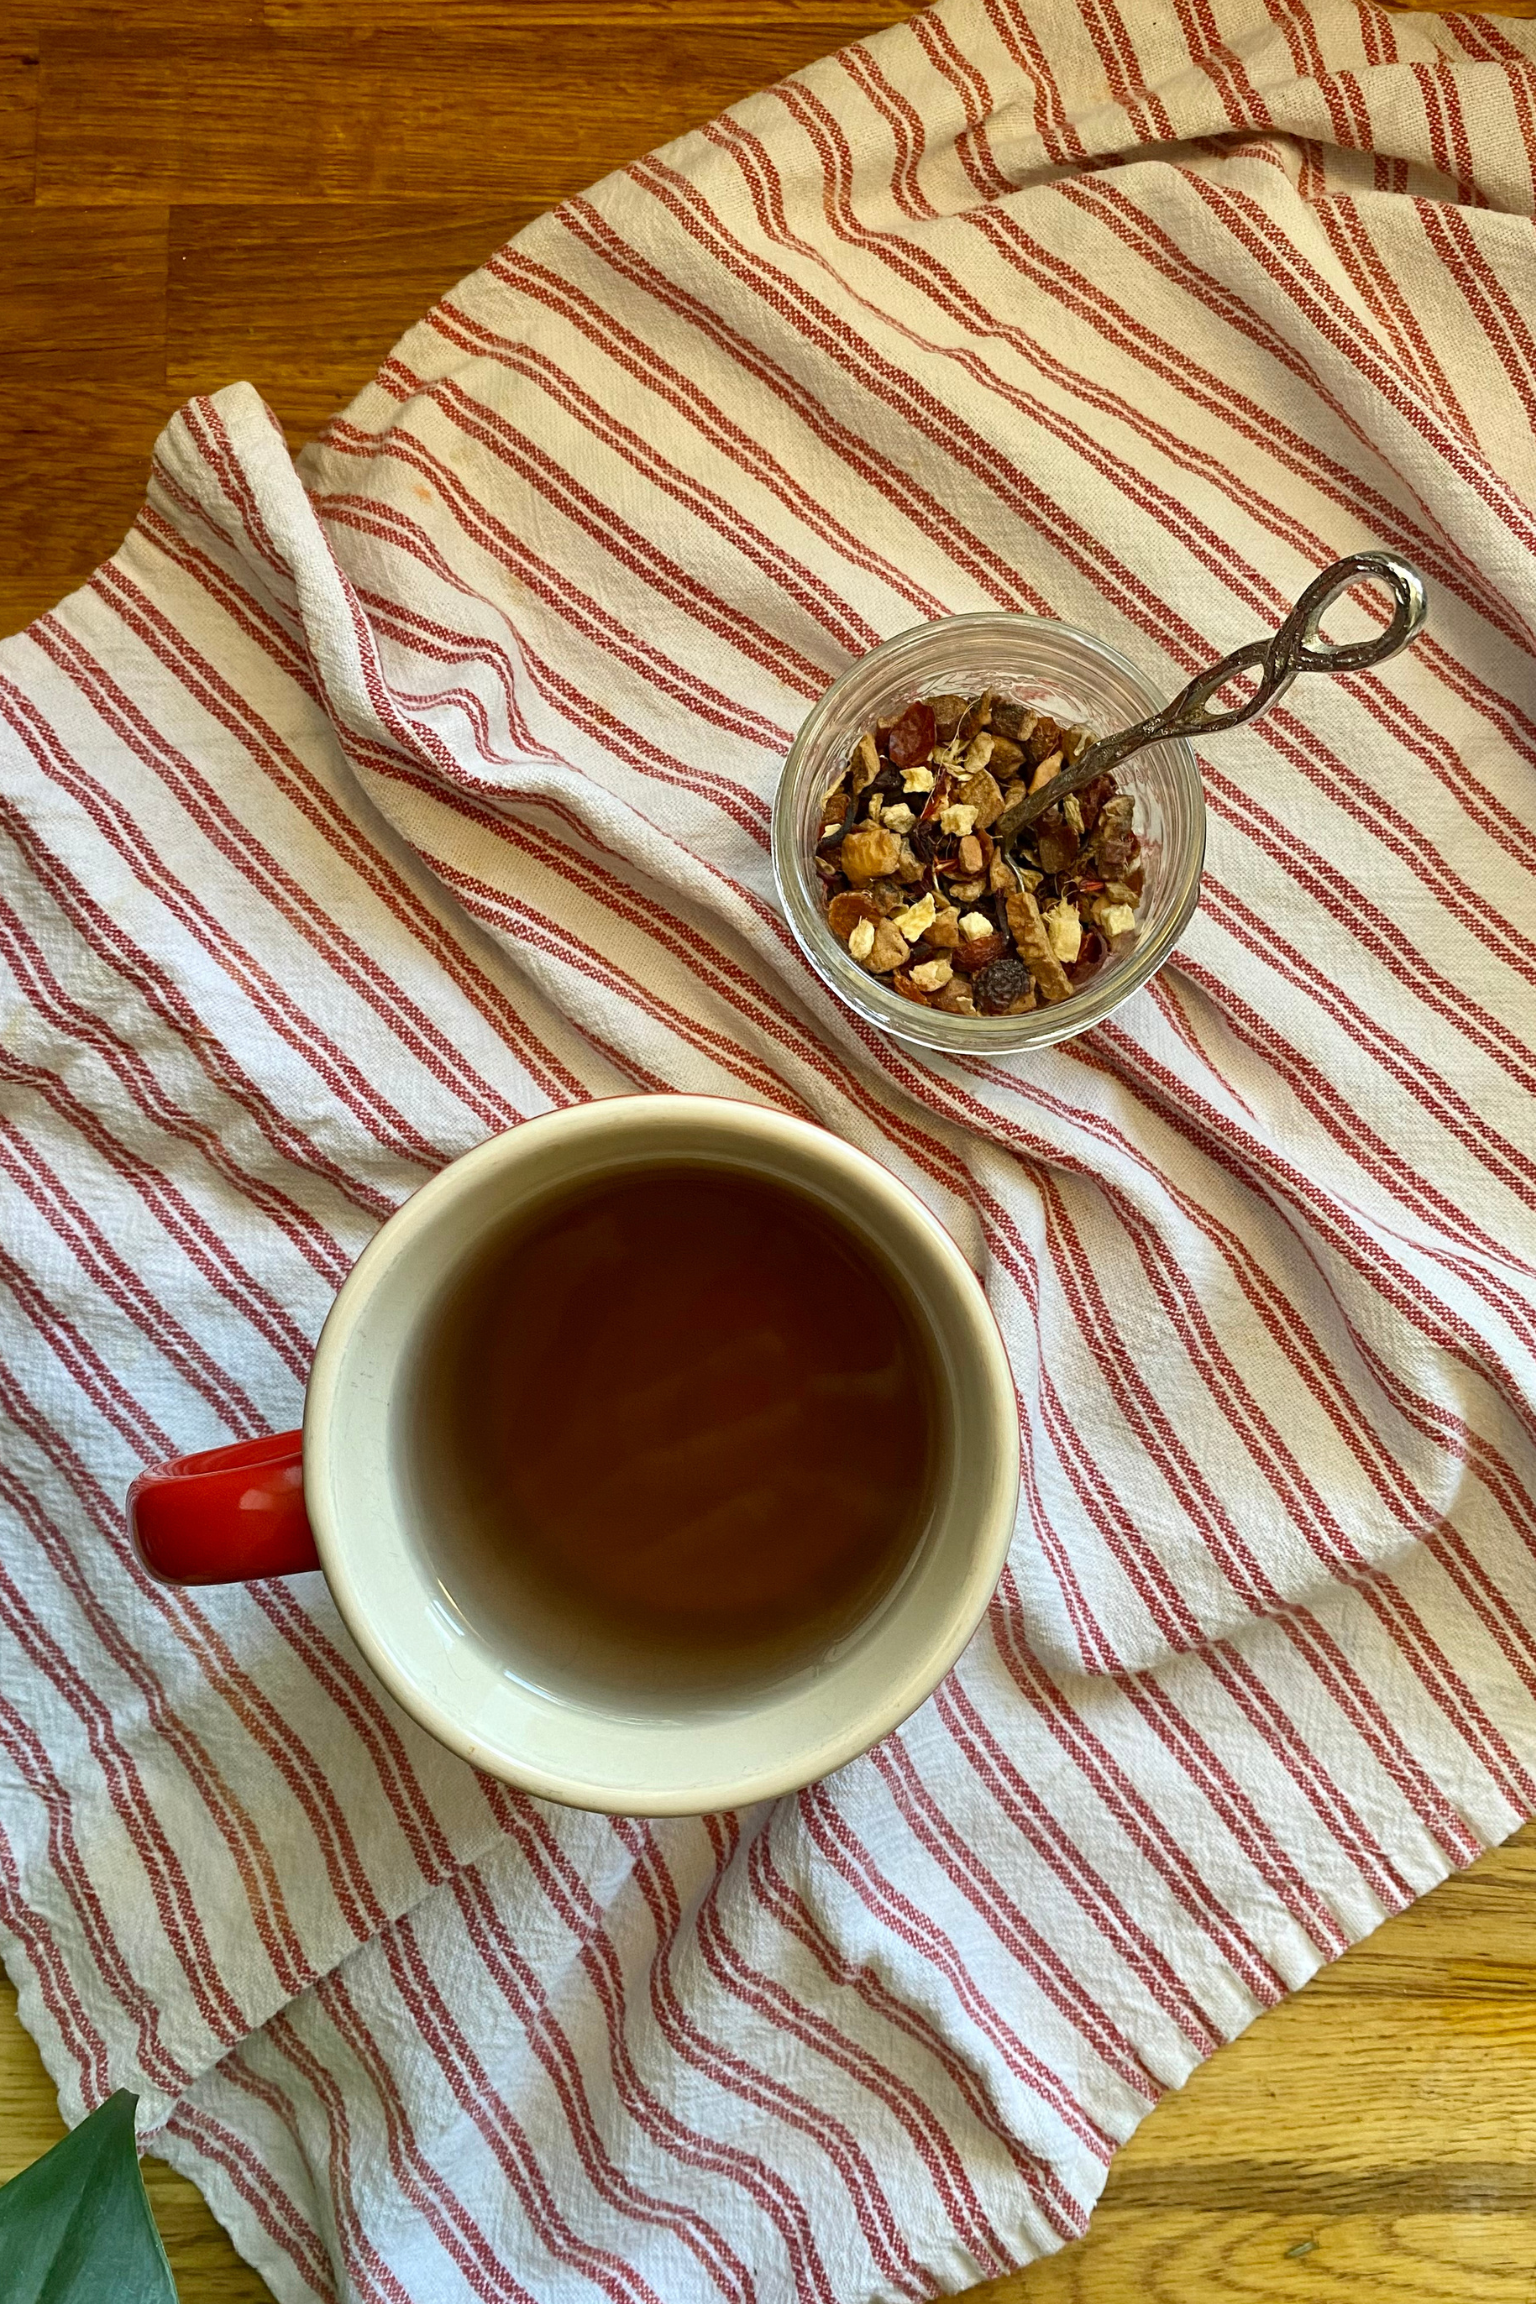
<point x="342" y="1495"/>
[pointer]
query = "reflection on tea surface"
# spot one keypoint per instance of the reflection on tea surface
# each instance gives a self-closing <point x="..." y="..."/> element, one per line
<point x="679" y="1434"/>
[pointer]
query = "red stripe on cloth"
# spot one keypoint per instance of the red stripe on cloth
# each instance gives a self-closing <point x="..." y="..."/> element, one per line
<point x="364" y="2263"/>
<point x="277" y="2213"/>
<point x="520" y="1986"/>
<point x="236" y="1825"/>
<point x="758" y="2085"/>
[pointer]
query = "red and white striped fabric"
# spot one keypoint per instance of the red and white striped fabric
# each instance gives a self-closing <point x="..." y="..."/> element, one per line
<point x="351" y="815"/>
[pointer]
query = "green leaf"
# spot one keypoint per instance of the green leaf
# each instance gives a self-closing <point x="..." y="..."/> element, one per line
<point x="76" y="2227"/>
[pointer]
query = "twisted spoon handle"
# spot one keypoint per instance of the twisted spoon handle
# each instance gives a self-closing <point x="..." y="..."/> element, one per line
<point x="1294" y="648"/>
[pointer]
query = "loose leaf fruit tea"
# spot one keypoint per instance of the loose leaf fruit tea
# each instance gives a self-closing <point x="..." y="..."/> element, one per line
<point x="688" y="1420"/>
<point x="924" y="884"/>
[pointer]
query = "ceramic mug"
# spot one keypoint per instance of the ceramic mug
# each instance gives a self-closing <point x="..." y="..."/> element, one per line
<point x="344" y="1494"/>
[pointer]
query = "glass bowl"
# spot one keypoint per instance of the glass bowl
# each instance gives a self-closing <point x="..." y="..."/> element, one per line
<point x="1056" y="669"/>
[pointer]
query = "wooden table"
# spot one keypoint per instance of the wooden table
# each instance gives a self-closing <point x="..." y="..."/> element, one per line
<point x="198" y="190"/>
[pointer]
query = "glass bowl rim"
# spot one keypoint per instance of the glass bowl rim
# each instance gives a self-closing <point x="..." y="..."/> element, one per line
<point x="931" y="1028"/>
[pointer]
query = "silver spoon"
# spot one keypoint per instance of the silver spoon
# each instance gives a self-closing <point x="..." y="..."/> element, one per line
<point x="1294" y="648"/>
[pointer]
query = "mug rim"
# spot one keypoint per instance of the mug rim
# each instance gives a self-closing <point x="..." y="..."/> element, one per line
<point x="343" y="1552"/>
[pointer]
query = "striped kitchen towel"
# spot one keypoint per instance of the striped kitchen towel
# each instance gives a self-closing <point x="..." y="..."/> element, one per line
<point x="351" y="813"/>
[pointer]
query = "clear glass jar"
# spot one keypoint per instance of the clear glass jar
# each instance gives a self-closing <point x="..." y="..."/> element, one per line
<point x="1056" y="669"/>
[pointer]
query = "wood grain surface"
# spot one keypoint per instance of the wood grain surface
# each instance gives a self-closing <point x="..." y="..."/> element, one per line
<point x="197" y="190"/>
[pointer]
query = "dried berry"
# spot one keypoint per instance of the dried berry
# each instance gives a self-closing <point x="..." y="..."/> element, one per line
<point x="997" y="987"/>
<point x="911" y="739"/>
<point x="1089" y="960"/>
<point x="903" y="984"/>
<point x="973" y="954"/>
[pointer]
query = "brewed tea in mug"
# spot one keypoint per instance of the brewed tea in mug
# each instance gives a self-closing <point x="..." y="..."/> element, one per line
<point x="682" y="1425"/>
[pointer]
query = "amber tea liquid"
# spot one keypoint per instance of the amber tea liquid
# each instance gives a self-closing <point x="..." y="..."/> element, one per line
<point x="685" y="1425"/>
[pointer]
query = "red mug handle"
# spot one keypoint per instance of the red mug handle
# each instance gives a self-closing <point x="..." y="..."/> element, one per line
<point x="225" y="1515"/>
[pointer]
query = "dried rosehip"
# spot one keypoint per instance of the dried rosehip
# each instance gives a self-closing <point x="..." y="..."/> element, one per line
<point x="975" y="953"/>
<point x="912" y="737"/>
<point x="903" y="984"/>
<point x="1090" y="958"/>
<point x="997" y="987"/>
